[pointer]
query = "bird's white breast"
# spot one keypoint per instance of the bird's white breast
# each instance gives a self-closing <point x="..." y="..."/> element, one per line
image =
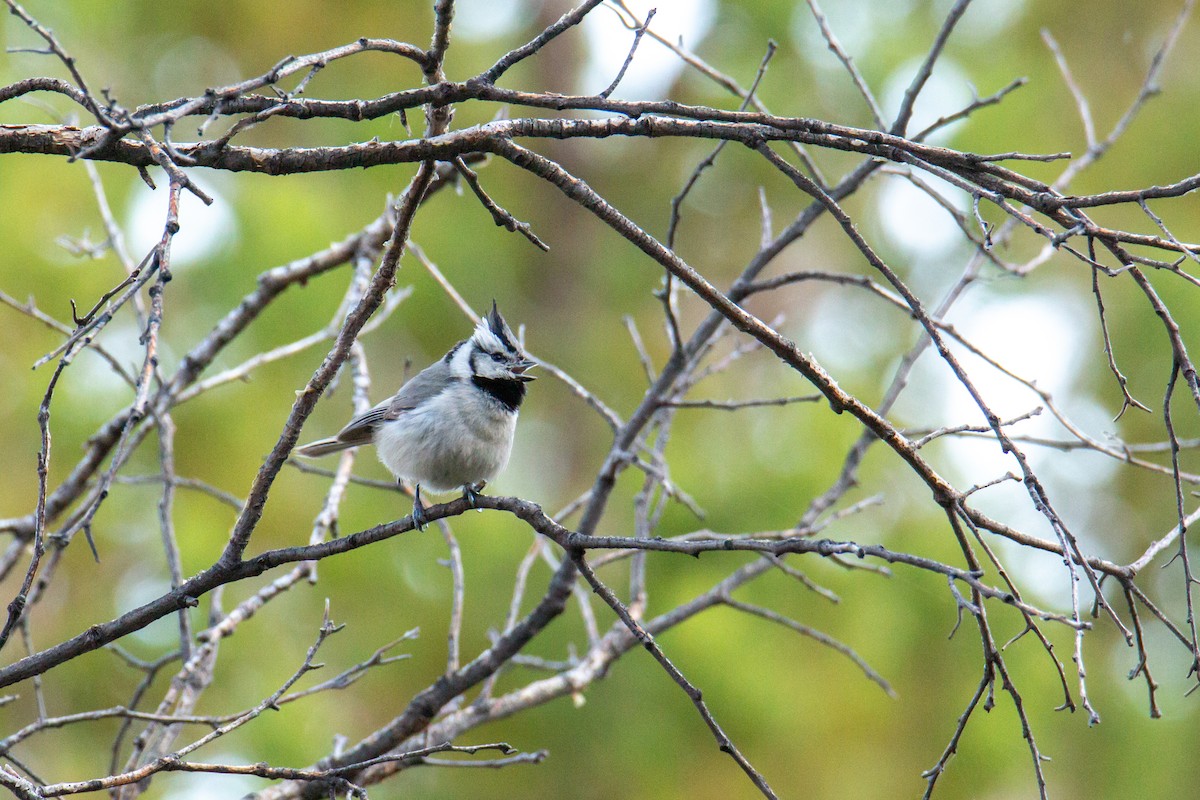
<point x="452" y="440"/>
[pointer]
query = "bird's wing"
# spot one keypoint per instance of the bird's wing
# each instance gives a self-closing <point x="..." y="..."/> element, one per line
<point x="358" y="431"/>
<point x="427" y="383"/>
<point x="361" y="430"/>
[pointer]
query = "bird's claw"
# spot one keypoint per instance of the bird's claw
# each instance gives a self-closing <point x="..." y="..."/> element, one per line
<point x="471" y="494"/>
<point x="418" y="513"/>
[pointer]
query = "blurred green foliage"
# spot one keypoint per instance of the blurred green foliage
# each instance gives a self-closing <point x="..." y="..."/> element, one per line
<point x="804" y="715"/>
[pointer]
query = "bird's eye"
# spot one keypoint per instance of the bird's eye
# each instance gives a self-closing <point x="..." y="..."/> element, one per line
<point x="496" y="357"/>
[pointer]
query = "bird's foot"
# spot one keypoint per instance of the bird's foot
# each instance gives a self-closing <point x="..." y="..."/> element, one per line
<point x="471" y="493"/>
<point x="418" y="513"/>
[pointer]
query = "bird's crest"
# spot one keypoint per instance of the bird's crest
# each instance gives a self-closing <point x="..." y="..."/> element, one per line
<point x="493" y="334"/>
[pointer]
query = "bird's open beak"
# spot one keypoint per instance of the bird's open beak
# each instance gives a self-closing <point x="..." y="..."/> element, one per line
<point x="519" y="368"/>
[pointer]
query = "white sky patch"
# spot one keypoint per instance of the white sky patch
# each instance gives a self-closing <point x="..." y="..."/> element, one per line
<point x="1046" y="339"/>
<point x="120" y="340"/>
<point x="1036" y="337"/>
<point x="482" y="20"/>
<point x="1039" y="338"/>
<point x="855" y="24"/>
<point x="200" y="786"/>
<point x="946" y="91"/>
<point x="135" y="589"/>
<point x="915" y="222"/>
<point x="1093" y="516"/>
<point x="186" y="64"/>
<point x="654" y="67"/>
<point x="845" y="328"/>
<point x="204" y="231"/>
<point x="985" y="19"/>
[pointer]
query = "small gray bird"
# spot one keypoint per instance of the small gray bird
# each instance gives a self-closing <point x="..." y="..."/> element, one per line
<point x="450" y="426"/>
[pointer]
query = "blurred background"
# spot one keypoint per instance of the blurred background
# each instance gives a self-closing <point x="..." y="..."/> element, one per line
<point x="805" y="716"/>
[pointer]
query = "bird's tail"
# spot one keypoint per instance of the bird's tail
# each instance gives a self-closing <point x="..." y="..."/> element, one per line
<point x="323" y="447"/>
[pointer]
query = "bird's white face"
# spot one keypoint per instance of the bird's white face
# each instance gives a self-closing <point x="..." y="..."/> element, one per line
<point x="492" y="353"/>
